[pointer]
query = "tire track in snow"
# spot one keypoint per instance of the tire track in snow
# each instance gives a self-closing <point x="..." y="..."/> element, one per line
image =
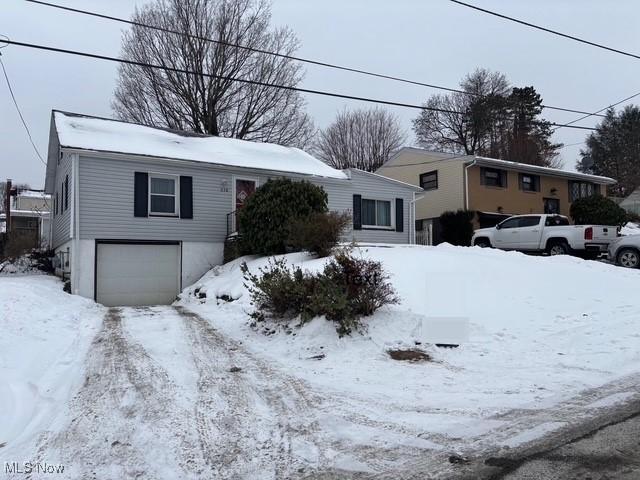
<point x="125" y="408"/>
<point x="257" y="412"/>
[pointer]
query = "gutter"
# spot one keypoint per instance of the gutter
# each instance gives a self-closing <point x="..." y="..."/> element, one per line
<point x="466" y="183"/>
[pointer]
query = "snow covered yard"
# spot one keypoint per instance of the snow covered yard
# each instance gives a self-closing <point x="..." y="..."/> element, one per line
<point x="45" y="336"/>
<point x="192" y="390"/>
<point x="546" y="332"/>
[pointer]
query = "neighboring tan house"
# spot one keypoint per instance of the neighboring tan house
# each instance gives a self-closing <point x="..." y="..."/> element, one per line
<point x="494" y="188"/>
<point x="632" y="202"/>
<point x="140" y="212"/>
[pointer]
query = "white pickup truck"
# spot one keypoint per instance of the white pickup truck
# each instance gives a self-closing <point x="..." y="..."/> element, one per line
<point x="552" y="234"/>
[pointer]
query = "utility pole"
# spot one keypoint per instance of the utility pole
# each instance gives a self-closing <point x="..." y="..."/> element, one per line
<point x="7" y="205"/>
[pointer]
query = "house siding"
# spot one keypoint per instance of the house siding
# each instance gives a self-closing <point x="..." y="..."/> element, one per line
<point x="409" y="164"/>
<point x="61" y="229"/>
<point x="374" y="187"/>
<point x="107" y="196"/>
<point x="512" y="200"/>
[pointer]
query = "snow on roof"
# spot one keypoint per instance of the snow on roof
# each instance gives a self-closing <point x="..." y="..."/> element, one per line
<point x="33" y="194"/>
<point x="105" y="135"/>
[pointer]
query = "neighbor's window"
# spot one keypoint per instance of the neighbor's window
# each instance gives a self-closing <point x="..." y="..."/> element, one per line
<point x="376" y="213"/>
<point x="429" y="180"/>
<point x="492" y="177"/>
<point x="163" y="195"/>
<point x="582" y="190"/>
<point x="529" y="183"/>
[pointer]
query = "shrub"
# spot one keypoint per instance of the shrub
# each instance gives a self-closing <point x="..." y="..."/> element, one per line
<point x="347" y="289"/>
<point x="266" y="217"/>
<point x="597" y="210"/>
<point x="457" y="227"/>
<point x="318" y="232"/>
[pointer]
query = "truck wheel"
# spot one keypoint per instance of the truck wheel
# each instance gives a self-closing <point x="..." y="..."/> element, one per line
<point x="483" y="243"/>
<point x="629" y="258"/>
<point x="558" y="248"/>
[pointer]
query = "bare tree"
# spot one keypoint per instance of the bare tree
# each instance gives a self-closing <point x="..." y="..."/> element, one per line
<point x="361" y="139"/>
<point x="472" y="122"/>
<point x="215" y="105"/>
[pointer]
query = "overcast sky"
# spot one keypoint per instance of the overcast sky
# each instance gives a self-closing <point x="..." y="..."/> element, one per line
<point x="433" y="41"/>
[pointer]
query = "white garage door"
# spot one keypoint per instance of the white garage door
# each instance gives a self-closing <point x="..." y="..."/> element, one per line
<point x="137" y="274"/>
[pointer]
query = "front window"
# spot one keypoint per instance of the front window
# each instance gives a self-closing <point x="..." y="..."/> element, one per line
<point x="376" y="213"/>
<point x="163" y="194"/>
<point x="429" y="180"/>
<point x="529" y="183"/>
<point x="582" y="190"/>
<point x="493" y="177"/>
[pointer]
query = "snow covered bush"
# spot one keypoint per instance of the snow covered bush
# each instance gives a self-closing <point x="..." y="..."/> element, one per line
<point x="346" y="290"/>
<point x="597" y="210"/>
<point x="266" y="217"/>
<point x="318" y="233"/>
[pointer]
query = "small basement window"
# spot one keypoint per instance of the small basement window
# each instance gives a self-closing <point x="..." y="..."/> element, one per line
<point x="376" y="213"/>
<point x="163" y="194"/>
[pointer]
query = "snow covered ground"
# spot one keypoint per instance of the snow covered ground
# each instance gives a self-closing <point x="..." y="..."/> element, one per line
<point x="189" y="390"/>
<point x="45" y="337"/>
<point x="543" y="330"/>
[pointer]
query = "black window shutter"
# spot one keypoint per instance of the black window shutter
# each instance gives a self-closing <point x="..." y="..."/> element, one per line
<point x="399" y="215"/>
<point x="186" y="197"/>
<point x="357" y="212"/>
<point x="141" y="194"/>
<point x="66" y="192"/>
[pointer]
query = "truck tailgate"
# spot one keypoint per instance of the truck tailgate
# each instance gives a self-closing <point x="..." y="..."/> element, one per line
<point x="603" y="233"/>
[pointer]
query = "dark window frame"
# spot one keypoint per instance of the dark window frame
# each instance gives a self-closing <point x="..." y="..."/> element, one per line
<point x="66" y="192"/>
<point x="533" y="185"/>
<point x="425" y="183"/>
<point x="585" y="189"/>
<point x="500" y="179"/>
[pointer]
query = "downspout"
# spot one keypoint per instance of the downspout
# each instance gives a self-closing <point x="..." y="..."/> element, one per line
<point x="466" y="183"/>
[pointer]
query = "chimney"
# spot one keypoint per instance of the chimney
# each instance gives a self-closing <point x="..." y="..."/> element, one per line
<point x="7" y="205"/>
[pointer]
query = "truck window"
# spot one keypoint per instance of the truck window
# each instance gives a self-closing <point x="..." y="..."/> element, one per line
<point x="556" y="221"/>
<point x="512" y="222"/>
<point x="529" y="221"/>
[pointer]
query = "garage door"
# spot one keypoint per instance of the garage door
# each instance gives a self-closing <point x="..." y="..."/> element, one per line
<point x="137" y="274"/>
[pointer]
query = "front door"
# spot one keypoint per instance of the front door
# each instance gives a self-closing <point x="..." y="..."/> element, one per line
<point x="551" y="206"/>
<point x="244" y="188"/>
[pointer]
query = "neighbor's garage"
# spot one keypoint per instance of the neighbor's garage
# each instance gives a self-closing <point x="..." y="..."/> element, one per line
<point x="137" y="273"/>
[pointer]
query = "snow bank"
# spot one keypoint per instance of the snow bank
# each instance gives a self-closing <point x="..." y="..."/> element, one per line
<point x="542" y="329"/>
<point x="45" y="335"/>
<point x="631" y="229"/>
<point x="90" y="133"/>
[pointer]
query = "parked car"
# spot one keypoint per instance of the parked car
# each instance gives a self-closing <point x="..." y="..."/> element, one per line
<point x="552" y="234"/>
<point x="625" y="251"/>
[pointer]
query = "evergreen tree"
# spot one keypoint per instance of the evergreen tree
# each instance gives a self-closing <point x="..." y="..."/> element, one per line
<point x="613" y="150"/>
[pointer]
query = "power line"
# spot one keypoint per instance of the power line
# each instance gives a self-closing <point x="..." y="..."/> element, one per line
<point x="544" y="29"/>
<point x="240" y="80"/>
<point x="15" y="102"/>
<point x="601" y="110"/>
<point x="275" y="54"/>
